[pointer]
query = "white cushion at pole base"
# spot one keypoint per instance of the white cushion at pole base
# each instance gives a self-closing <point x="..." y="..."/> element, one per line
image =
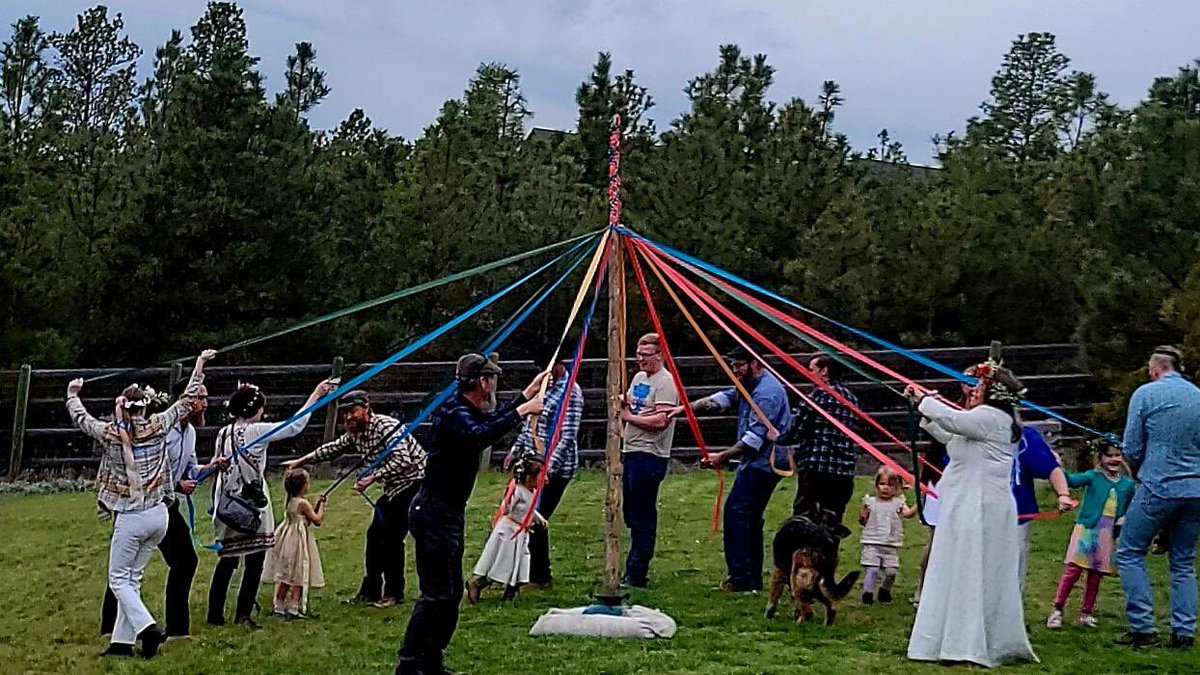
<point x="636" y="622"/>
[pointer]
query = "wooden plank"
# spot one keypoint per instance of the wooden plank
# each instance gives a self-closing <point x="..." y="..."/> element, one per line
<point x="19" y="411"/>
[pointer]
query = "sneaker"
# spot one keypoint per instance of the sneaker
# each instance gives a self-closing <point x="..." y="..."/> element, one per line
<point x="626" y="582"/>
<point x="296" y="616"/>
<point x="885" y="595"/>
<point x="868" y="598"/>
<point x="1055" y="620"/>
<point x="176" y="638"/>
<point x="1087" y="620"/>
<point x="1137" y="640"/>
<point x="1181" y="641"/>
<point x="360" y="599"/>
<point x="387" y="603"/>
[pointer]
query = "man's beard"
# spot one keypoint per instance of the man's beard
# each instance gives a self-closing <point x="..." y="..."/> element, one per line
<point x="355" y="425"/>
<point x="748" y="381"/>
<point x="489" y="404"/>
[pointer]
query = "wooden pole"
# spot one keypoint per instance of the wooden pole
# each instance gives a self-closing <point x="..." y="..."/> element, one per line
<point x="996" y="351"/>
<point x="18" y="430"/>
<point x="176" y="375"/>
<point x="613" y="526"/>
<point x="331" y="411"/>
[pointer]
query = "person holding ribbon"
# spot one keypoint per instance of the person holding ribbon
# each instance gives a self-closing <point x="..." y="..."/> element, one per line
<point x="462" y="427"/>
<point x="242" y="515"/>
<point x="176" y="547"/>
<point x="757" y="474"/>
<point x="971" y="608"/>
<point x="399" y="472"/>
<point x="564" y="457"/>
<point x="134" y="485"/>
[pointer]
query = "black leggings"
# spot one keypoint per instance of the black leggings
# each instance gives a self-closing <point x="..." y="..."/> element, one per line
<point x="247" y="592"/>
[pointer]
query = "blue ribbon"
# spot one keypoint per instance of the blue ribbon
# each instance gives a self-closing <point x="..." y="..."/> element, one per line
<point x="446" y="393"/>
<point x="907" y="353"/>
<point x="394" y="358"/>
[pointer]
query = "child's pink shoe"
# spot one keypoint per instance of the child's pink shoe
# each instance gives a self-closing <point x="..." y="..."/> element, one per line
<point x="1055" y="620"/>
<point x="1087" y="620"/>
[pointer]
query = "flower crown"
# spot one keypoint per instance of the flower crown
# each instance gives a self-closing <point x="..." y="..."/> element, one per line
<point x="149" y="396"/>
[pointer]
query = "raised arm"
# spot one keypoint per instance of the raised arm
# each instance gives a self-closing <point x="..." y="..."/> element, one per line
<point x="975" y="424"/>
<point x="183" y="407"/>
<point x="80" y="417"/>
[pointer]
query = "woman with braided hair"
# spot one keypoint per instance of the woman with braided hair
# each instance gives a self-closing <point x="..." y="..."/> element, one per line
<point x="970" y="606"/>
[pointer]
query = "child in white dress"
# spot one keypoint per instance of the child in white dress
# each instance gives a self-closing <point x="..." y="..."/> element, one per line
<point x="505" y="557"/>
<point x="294" y="564"/>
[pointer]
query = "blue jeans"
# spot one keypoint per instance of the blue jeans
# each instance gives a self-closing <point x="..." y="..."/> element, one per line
<point x="643" y="474"/>
<point x="1147" y="515"/>
<point x="744" y="509"/>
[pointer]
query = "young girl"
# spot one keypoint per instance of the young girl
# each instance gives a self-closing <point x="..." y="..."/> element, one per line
<point x="883" y="534"/>
<point x="1106" y="496"/>
<point x="505" y="557"/>
<point x="294" y="564"/>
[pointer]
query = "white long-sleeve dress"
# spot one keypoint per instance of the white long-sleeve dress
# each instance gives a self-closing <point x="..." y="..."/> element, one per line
<point x="971" y="606"/>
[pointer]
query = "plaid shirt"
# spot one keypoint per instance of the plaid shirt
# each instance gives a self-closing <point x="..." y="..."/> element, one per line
<point x="149" y="452"/>
<point x="822" y="447"/>
<point x="402" y="469"/>
<point x="565" y="461"/>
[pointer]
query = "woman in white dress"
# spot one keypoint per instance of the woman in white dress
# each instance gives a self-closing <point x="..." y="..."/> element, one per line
<point x="970" y="606"/>
<point x="241" y="491"/>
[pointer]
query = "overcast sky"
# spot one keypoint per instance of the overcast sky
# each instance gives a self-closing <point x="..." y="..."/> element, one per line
<point x="916" y="67"/>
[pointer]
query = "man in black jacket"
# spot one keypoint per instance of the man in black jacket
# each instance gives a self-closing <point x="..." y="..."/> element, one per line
<point x="461" y="429"/>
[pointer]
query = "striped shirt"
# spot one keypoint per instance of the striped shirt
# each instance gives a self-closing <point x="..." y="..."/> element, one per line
<point x="564" y="463"/>
<point x="403" y="468"/>
<point x="153" y="468"/>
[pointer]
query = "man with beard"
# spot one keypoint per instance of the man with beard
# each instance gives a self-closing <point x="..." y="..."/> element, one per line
<point x="461" y="429"/>
<point x="176" y="547"/>
<point x="369" y="434"/>
<point x="756" y="476"/>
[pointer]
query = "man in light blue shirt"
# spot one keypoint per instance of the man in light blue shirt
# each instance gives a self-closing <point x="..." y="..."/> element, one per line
<point x="1162" y="445"/>
<point x="756" y="478"/>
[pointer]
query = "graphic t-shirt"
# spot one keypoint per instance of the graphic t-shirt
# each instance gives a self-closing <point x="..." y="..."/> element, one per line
<point x="646" y="393"/>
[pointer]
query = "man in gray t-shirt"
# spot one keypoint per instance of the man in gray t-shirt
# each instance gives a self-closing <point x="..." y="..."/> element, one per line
<point x="647" y="449"/>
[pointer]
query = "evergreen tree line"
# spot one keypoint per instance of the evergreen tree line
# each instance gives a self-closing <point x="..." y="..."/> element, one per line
<point x="145" y="214"/>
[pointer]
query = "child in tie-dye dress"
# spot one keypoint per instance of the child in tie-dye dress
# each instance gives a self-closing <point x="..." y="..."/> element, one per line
<point x="1106" y="496"/>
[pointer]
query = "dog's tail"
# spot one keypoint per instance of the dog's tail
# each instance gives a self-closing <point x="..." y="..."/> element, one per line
<point x="841" y="589"/>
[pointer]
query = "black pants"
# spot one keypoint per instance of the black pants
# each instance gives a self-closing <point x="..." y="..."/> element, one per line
<point x="384" y="576"/>
<point x="438" y="533"/>
<point x="829" y="491"/>
<point x="643" y="475"/>
<point x="247" y="592"/>
<point x="539" y="537"/>
<point x="180" y="556"/>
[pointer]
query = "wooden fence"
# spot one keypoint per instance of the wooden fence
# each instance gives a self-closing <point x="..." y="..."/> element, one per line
<point x="41" y="437"/>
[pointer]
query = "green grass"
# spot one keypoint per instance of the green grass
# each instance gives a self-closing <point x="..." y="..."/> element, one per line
<point x="53" y="562"/>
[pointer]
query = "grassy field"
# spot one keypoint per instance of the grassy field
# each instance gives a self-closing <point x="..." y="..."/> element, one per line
<point x="55" y="551"/>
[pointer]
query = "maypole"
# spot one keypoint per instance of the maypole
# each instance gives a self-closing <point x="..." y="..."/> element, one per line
<point x="611" y="584"/>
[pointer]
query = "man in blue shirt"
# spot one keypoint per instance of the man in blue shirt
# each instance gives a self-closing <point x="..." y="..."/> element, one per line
<point x="756" y="478"/>
<point x="1162" y="445"/>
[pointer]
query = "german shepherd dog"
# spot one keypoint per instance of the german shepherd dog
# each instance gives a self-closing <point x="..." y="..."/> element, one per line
<point x="806" y="555"/>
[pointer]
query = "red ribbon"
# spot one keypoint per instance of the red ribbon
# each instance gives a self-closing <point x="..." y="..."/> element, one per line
<point x="671" y="368"/>
<point x="696" y="294"/>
